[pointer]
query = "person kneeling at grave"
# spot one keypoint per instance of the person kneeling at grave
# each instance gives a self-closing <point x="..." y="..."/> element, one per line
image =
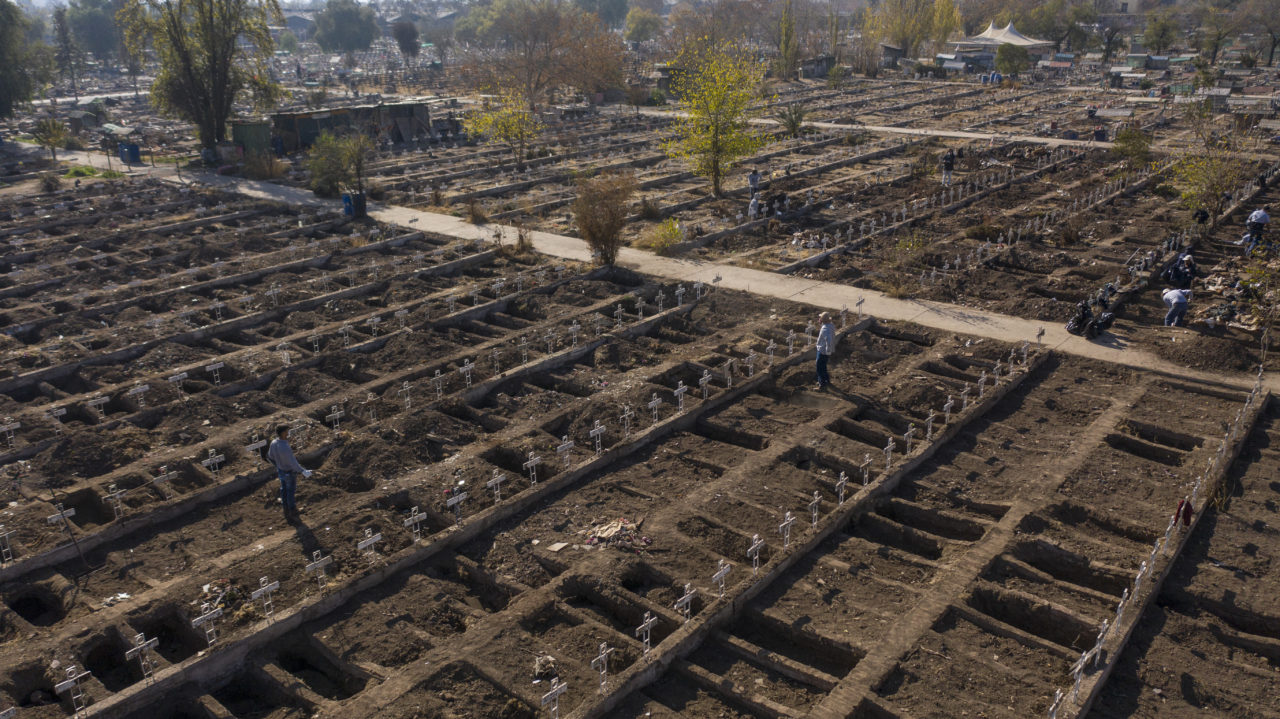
<point x="287" y="469"/>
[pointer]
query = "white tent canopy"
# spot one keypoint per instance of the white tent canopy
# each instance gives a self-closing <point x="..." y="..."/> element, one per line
<point x="994" y="37"/>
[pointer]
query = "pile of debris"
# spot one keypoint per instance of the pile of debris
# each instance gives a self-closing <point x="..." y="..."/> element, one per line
<point x="621" y="533"/>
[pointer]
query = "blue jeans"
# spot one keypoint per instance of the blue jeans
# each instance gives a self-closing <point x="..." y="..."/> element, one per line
<point x="288" y="485"/>
<point x="824" y="379"/>
<point x="1176" y="313"/>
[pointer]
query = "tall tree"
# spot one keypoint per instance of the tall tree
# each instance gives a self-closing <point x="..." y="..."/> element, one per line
<point x="209" y="51"/>
<point x="905" y="23"/>
<point x="509" y="121"/>
<point x="536" y="46"/>
<point x="346" y="26"/>
<point x="67" y="51"/>
<point x="93" y="22"/>
<point x="1262" y="17"/>
<point x="24" y="63"/>
<point x="719" y="93"/>
<point x="946" y="20"/>
<point x="1161" y="33"/>
<point x="788" y="44"/>
<point x="610" y="12"/>
<point x="1064" y="22"/>
<point x="1216" y="25"/>
<point x="406" y="37"/>
<point x="642" y="25"/>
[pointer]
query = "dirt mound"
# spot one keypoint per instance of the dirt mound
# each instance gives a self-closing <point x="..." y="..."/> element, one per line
<point x="359" y="463"/>
<point x="92" y="452"/>
<point x="303" y="386"/>
<point x="1206" y="352"/>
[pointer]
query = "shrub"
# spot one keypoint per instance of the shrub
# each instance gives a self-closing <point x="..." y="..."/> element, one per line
<point x="111" y="174"/>
<point x="662" y="238"/>
<point x="80" y="171"/>
<point x="262" y="166"/>
<point x="475" y="213"/>
<point x="50" y="182"/>
<point x="600" y="212"/>
<point x="983" y="233"/>
<point x="649" y="210"/>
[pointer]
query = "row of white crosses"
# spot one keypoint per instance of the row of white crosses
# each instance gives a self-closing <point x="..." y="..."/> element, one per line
<point x="1218" y="463"/>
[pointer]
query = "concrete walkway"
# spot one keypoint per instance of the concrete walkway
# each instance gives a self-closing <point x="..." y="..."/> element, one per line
<point x="1114" y="347"/>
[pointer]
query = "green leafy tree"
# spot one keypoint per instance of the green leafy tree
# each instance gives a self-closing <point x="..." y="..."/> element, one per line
<point x="1205" y="177"/>
<point x="67" y="51"/>
<point x="1217" y="25"/>
<point x="405" y="34"/>
<point x="611" y="12"/>
<point x="1263" y="19"/>
<point x="346" y="26"/>
<point x="791" y="118"/>
<point x="600" y="212"/>
<point x="788" y="44"/>
<point x="1161" y="33"/>
<point x="510" y="121"/>
<point x="719" y="94"/>
<point x="1133" y="146"/>
<point x="288" y="42"/>
<point x="50" y="134"/>
<point x="93" y="22"/>
<point x="642" y="25"/>
<point x="1012" y="59"/>
<point x="338" y="163"/>
<point x="209" y="51"/>
<point x="25" y="64"/>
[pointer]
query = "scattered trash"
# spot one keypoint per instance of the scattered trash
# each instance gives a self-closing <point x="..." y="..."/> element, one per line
<point x="621" y="533"/>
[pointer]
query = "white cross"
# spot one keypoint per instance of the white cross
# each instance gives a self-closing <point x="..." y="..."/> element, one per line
<point x="55" y="416"/>
<point x="982" y="384"/>
<point x="454" y="502"/>
<point x="704" y="381"/>
<point x="209" y="620"/>
<point x="317" y="566"/>
<point x="552" y="697"/>
<point x="653" y="405"/>
<point x="524" y="349"/>
<point x="770" y="349"/>
<point x="964" y="397"/>
<point x="751" y="361"/>
<point x="661" y="299"/>
<point x="115" y="497"/>
<point x="866" y="468"/>
<point x="414" y="522"/>
<point x="888" y="454"/>
<point x="946" y="410"/>
<point x="601" y="664"/>
<point x="785" y="528"/>
<point x="335" y="416"/>
<point x="564" y="450"/>
<point x="71" y="687"/>
<point x="532" y="466"/>
<point x="597" y="433"/>
<point x="141" y="651"/>
<point x="465" y="370"/>
<point x="617" y="317"/>
<point x="140" y="393"/>
<point x="438" y="381"/>
<point x="722" y="571"/>
<point x="679" y="392"/>
<point x="646" y="626"/>
<point x="214" y="369"/>
<point x="551" y="341"/>
<point x="263" y="592"/>
<point x="907" y="436"/>
<point x="841" y="484"/>
<point x="791" y="342"/>
<point x="400" y="316"/>
<point x="753" y="552"/>
<point x="496" y="485"/>
<point x="679" y="295"/>
<point x="728" y="372"/>
<point x="574" y="329"/>
<point x="627" y="414"/>
<point x="366" y="545"/>
<point x="685" y="603"/>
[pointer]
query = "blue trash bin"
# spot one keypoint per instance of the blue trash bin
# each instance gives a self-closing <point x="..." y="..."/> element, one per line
<point x="347" y="208"/>
<point x="130" y="153"/>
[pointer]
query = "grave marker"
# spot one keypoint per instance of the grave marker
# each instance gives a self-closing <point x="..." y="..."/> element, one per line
<point x="964" y="397"/>
<point x="679" y="295"/>
<point x="414" y="521"/>
<point x="888" y="454"/>
<point x="55" y="416"/>
<point x="139" y="393"/>
<point x="680" y="391"/>
<point x="466" y="369"/>
<point x="495" y="483"/>
<point x="317" y="566"/>
<point x="532" y="466"/>
<point x="982" y="384"/>
<point x="785" y="528"/>
<point x="601" y="664"/>
<point x="684" y="604"/>
<point x="215" y="369"/>
<point x="208" y="620"/>
<point x="946" y="410"/>
<point x="263" y="593"/>
<point x="751" y="361"/>
<point x="176" y="380"/>
<point x="597" y="433"/>
<point x="646" y="626"/>
<point x="163" y="475"/>
<point x="814" y="505"/>
<point x="6" y="547"/>
<point x="439" y="383"/>
<point x="213" y="462"/>
<point x="858" y="304"/>
<point x="574" y="329"/>
<point x="71" y="687"/>
<point x="866" y="468"/>
<point x="907" y="436"/>
<point x="791" y="342"/>
<point x="564" y="449"/>
<point x="551" y="341"/>
<point x="367" y="546"/>
<point x="142" y="648"/>
<point x="627" y="414"/>
<point x="653" y="405"/>
<point x="552" y="697"/>
<point x="115" y="498"/>
<point x="722" y="571"/>
<point x="770" y="349"/>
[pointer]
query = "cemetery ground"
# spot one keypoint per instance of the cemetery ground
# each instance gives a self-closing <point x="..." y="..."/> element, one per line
<point x="548" y="489"/>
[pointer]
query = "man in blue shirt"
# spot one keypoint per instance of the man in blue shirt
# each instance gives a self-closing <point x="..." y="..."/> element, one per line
<point x="287" y="469"/>
<point x="826" y="345"/>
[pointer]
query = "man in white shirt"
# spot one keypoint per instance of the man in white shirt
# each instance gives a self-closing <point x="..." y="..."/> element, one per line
<point x="1257" y="222"/>
<point x="826" y="346"/>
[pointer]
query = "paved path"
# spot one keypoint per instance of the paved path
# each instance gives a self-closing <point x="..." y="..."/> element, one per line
<point x="1114" y="347"/>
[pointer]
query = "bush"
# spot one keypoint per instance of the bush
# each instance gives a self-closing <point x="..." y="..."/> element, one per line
<point x="73" y="143"/>
<point x="600" y="212"/>
<point x="1133" y="146"/>
<point x="475" y="213"/>
<point x="80" y="171"/>
<point x="657" y="98"/>
<point x="649" y="210"/>
<point x="983" y="233"/>
<point x="111" y="174"/>
<point x="262" y="166"/>
<point x="662" y="238"/>
<point x="50" y="182"/>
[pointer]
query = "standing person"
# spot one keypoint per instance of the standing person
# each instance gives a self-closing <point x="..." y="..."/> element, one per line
<point x="1176" y="300"/>
<point x="948" y="165"/>
<point x="753" y="181"/>
<point x="753" y="207"/>
<point x="287" y="469"/>
<point x="826" y="345"/>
